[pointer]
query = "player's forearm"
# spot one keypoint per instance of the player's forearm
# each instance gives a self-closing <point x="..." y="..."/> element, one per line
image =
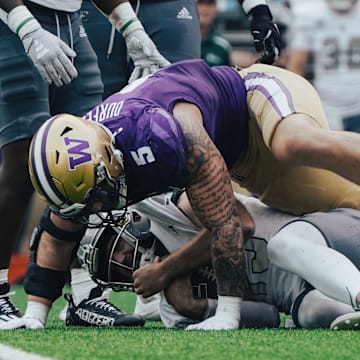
<point x="190" y="257"/>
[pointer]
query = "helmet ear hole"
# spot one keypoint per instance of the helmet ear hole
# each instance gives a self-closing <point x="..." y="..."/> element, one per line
<point x="57" y="156"/>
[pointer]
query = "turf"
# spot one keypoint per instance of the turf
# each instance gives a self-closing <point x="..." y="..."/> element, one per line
<point x="155" y="342"/>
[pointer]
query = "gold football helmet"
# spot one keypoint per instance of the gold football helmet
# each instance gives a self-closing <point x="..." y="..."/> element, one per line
<point x="75" y="167"/>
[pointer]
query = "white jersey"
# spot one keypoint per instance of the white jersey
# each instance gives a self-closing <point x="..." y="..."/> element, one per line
<point x="62" y="5"/>
<point x="334" y="40"/>
<point x="174" y="229"/>
<point x="168" y="223"/>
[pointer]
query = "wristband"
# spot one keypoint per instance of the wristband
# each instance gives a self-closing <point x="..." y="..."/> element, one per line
<point x="124" y="19"/>
<point x="248" y="5"/>
<point x="37" y="310"/>
<point x="229" y="306"/>
<point x="21" y="21"/>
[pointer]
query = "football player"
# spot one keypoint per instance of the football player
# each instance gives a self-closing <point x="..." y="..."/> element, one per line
<point x="319" y="247"/>
<point x="194" y="126"/>
<point x="327" y="34"/>
<point x="47" y="67"/>
<point x="175" y="31"/>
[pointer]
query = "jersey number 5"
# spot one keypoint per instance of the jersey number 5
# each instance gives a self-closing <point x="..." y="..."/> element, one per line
<point x="143" y="155"/>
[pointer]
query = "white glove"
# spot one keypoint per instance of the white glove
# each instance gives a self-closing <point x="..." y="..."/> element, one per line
<point x="144" y="54"/>
<point x="141" y="48"/>
<point x="50" y="55"/>
<point x="227" y="316"/>
<point x="25" y="322"/>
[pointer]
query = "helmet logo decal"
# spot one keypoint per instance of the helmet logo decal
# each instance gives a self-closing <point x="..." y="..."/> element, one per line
<point x="77" y="155"/>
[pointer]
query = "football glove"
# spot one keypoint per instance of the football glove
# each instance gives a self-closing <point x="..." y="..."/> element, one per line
<point x="144" y="54"/>
<point x="50" y="55"/>
<point x="140" y="47"/>
<point x="265" y="34"/>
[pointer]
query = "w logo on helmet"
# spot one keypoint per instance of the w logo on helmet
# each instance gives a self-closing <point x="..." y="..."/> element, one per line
<point x="77" y="153"/>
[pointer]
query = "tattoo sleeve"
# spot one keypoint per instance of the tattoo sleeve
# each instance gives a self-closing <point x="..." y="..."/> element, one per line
<point x="211" y="196"/>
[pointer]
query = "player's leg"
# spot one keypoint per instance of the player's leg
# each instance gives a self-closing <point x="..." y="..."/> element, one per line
<point x="23" y="107"/>
<point x="301" y="248"/>
<point x="174" y="27"/>
<point x="319" y="311"/>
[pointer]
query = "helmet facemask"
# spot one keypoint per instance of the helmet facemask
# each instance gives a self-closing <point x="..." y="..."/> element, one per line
<point x="112" y="254"/>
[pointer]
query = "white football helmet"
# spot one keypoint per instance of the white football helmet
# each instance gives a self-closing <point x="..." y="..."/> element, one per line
<point x="341" y="5"/>
<point x="111" y="254"/>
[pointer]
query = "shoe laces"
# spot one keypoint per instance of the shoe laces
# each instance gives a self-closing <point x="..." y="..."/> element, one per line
<point x="103" y="304"/>
<point x="6" y="306"/>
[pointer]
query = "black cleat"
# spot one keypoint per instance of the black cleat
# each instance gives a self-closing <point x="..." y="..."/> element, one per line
<point x="98" y="312"/>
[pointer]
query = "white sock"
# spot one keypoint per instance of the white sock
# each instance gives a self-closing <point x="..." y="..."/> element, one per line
<point x="81" y="285"/>
<point x="37" y="310"/>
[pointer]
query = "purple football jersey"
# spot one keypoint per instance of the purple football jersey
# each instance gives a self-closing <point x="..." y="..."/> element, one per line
<point x="141" y="118"/>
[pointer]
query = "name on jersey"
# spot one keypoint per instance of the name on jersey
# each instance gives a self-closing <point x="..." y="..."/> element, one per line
<point x="105" y="111"/>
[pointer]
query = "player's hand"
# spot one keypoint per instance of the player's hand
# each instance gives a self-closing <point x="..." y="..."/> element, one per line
<point x="24" y="322"/>
<point x="51" y="56"/>
<point x="227" y="316"/>
<point x="144" y="54"/>
<point x="150" y="279"/>
<point x="265" y="34"/>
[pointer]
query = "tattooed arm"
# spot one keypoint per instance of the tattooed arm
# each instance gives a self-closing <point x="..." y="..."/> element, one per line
<point x="211" y="196"/>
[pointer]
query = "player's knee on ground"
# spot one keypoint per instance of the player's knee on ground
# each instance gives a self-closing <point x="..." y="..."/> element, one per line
<point x="318" y="311"/>
<point x="42" y="281"/>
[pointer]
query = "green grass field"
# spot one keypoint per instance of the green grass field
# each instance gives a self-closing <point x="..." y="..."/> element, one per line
<point x="155" y="342"/>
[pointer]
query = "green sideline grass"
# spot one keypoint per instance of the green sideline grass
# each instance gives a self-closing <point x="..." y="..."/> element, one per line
<point x="155" y="342"/>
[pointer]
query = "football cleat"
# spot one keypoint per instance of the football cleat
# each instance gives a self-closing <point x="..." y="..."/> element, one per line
<point x="104" y="293"/>
<point x="349" y="321"/>
<point x="8" y="310"/>
<point x="99" y="312"/>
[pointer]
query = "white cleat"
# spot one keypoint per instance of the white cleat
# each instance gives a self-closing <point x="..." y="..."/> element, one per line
<point x="349" y="321"/>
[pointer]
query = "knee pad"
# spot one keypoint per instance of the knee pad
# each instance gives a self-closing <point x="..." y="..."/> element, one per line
<point x="43" y="282"/>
